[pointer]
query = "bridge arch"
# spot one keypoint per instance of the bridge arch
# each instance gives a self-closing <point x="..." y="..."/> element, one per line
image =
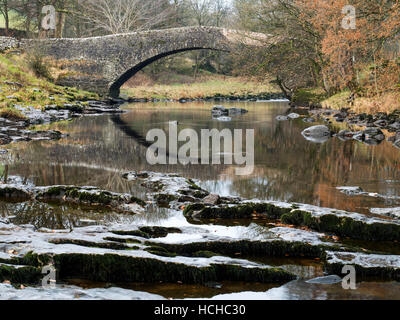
<point x="118" y="83"/>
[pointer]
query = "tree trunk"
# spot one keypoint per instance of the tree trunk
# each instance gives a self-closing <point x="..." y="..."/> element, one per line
<point x="60" y="24"/>
<point x="6" y="18"/>
<point x="326" y="86"/>
<point x="7" y="21"/>
<point x="196" y="69"/>
<point x="286" y="91"/>
<point x="6" y="167"/>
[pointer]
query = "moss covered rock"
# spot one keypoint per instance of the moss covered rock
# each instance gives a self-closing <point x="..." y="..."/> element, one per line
<point x="116" y="268"/>
<point x="20" y="274"/>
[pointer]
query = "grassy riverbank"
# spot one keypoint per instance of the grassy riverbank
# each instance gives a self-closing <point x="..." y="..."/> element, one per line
<point x="215" y="86"/>
<point x="386" y="103"/>
<point x="21" y="85"/>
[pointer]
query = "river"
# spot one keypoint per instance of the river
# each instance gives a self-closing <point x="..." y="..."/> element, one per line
<point x="287" y="168"/>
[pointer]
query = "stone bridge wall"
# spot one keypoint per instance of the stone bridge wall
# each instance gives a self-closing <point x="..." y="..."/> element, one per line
<point x="7" y="43"/>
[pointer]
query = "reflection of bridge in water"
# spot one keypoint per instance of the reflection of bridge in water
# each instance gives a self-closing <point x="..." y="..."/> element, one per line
<point x="111" y="148"/>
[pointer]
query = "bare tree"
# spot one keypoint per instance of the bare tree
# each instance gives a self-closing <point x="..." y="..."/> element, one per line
<point x="27" y="10"/>
<point x="200" y="11"/>
<point x="220" y="12"/>
<point x="31" y="14"/>
<point x="122" y="16"/>
<point x="207" y="13"/>
<point x="4" y="10"/>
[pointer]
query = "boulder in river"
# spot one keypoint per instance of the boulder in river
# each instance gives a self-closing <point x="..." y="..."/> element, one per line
<point x="317" y="134"/>
<point x="371" y="136"/>
<point x="308" y="120"/>
<point x="4" y="139"/>
<point x="317" y="131"/>
<point x="293" y="115"/>
<point x="345" y="135"/>
<point x="220" y="111"/>
<point x="224" y="119"/>
<point x="237" y="111"/>
<point x="351" y="191"/>
<point x="282" y="118"/>
<point x="212" y="199"/>
<point x="394" y="138"/>
<point x="381" y="123"/>
<point x="341" y="116"/>
<point x="374" y="133"/>
<point x="395" y="125"/>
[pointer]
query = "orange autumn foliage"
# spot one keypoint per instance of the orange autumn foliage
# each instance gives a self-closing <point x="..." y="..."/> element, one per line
<point x="355" y="58"/>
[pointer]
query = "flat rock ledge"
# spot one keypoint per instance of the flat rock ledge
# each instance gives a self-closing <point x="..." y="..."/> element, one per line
<point x="72" y="194"/>
<point x="367" y="265"/>
<point x="174" y="191"/>
<point x="196" y="252"/>
<point x="99" y="254"/>
<point x="66" y="292"/>
<point x="340" y="223"/>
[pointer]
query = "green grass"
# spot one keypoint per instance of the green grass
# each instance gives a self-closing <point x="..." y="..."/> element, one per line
<point x="337" y="101"/>
<point x="31" y="90"/>
<point x="386" y="102"/>
<point x="309" y="95"/>
<point x="11" y="114"/>
<point x="59" y="126"/>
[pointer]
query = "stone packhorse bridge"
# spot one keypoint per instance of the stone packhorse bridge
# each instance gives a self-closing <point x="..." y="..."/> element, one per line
<point x="104" y="64"/>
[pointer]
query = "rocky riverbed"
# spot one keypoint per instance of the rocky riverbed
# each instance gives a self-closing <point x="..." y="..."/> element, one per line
<point x="18" y="130"/>
<point x="190" y="246"/>
<point x="169" y="229"/>
<point x="365" y="128"/>
<point x="217" y="97"/>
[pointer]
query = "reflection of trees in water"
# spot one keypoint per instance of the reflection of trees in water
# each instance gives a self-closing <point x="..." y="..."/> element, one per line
<point x="68" y="217"/>
<point x="43" y="215"/>
<point x="287" y="166"/>
<point x="154" y="215"/>
<point x="296" y="170"/>
<point x="349" y="163"/>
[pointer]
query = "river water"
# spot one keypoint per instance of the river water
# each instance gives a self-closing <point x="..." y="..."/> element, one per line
<point x="287" y="168"/>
